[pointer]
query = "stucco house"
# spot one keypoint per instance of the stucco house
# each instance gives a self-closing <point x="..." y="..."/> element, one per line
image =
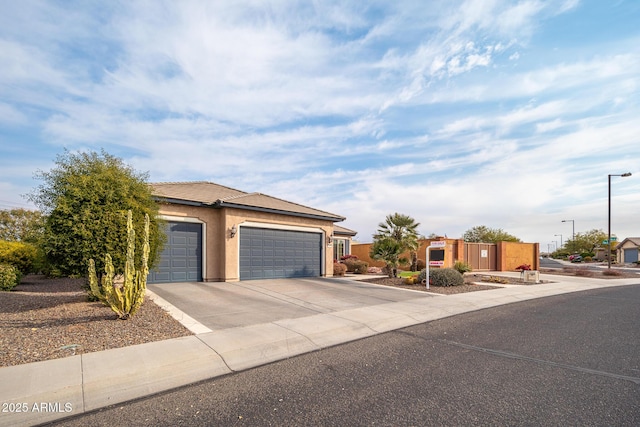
<point x="627" y="250"/>
<point x="218" y="234"/>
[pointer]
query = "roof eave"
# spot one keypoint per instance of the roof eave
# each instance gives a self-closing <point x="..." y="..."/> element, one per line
<point x="161" y="199"/>
<point x="222" y="204"/>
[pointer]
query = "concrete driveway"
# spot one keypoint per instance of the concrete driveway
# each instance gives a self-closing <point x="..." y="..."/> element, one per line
<point x="219" y="305"/>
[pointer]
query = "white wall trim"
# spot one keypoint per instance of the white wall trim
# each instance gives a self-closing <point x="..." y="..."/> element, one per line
<point x="172" y="218"/>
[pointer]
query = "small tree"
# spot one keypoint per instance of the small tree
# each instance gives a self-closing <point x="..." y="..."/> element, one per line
<point x="403" y="230"/>
<point x="21" y="225"/>
<point x="389" y="251"/>
<point x="585" y="242"/>
<point x="484" y="234"/>
<point x="86" y="198"/>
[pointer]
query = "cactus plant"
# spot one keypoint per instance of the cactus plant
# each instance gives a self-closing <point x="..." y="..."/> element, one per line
<point x="126" y="298"/>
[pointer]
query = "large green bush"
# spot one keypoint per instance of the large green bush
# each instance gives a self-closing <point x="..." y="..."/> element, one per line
<point x="9" y="277"/>
<point x="19" y="254"/>
<point x="85" y="199"/>
<point x="442" y="277"/>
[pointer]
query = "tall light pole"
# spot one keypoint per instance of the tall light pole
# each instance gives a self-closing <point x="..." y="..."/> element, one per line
<point x="573" y="228"/>
<point x="556" y="235"/>
<point x="624" y="175"/>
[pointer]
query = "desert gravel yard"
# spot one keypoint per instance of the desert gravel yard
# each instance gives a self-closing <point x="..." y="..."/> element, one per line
<point x="44" y="319"/>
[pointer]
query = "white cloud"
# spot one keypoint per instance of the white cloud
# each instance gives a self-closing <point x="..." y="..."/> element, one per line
<point x="458" y="114"/>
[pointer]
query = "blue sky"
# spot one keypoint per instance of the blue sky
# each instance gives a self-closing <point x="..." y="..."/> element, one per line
<point x="508" y="114"/>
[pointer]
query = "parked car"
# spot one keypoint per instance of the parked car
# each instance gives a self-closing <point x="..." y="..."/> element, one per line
<point x="575" y="258"/>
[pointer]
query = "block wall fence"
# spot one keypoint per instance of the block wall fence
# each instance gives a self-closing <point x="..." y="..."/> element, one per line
<point x="501" y="256"/>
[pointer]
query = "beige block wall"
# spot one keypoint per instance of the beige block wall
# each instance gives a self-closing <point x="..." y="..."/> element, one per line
<point x="512" y="255"/>
<point x="452" y="252"/>
<point x="223" y="251"/>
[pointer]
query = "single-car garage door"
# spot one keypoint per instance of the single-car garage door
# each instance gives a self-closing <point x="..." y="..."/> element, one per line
<point x="268" y="253"/>
<point x="630" y="255"/>
<point x="181" y="258"/>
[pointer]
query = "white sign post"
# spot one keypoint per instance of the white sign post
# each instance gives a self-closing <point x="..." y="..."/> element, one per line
<point x="436" y="244"/>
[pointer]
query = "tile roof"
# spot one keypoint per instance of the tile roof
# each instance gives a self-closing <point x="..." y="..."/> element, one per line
<point x="343" y="231"/>
<point x="215" y="195"/>
<point x="198" y="191"/>
<point x="634" y="240"/>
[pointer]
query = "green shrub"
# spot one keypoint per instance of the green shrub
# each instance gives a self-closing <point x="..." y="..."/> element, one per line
<point x="360" y="267"/>
<point x="19" y="254"/>
<point x="9" y="277"/>
<point x="350" y="263"/>
<point x="339" y="269"/>
<point x="442" y="277"/>
<point x="462" y="267"/>
<point x="587" y="259"/>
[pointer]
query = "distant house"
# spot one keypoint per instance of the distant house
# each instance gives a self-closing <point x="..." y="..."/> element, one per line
<point x="627" y="250"/>
<point x="217" y="233"/>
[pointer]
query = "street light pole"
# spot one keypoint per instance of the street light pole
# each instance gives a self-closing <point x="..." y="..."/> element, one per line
<point x="573" y="228"/>
<point x="556" y="235"/>
<point x="624" y="175"/>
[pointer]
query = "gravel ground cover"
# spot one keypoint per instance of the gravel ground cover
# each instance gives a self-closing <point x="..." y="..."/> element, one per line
<point x="445" y="290"/>
<point x="476" y="281"/>
<point x="44" y="319"/>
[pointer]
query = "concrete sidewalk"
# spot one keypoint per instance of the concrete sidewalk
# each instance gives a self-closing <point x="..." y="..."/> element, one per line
<point x="44" y="391"/>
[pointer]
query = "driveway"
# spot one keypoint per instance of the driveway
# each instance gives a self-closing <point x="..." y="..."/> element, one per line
<point x="223" y="305"/>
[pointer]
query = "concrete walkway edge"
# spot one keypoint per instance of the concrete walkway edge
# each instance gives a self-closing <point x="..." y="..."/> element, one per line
<point x="40" y="392"/>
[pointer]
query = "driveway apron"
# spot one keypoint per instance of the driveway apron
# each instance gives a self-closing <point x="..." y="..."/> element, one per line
<point x="222" y="305"/>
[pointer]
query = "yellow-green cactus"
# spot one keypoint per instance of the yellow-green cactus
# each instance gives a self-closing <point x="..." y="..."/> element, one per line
<point x="126" y="299"/>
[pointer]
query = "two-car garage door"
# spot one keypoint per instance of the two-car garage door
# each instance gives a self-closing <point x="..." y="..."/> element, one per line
<point x="272" y="253"/>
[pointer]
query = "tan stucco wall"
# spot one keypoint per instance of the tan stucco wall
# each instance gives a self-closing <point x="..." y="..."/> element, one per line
<point x="512" y="255"/>
<point x="451" y="254"/>
<point x="223" y="251"/>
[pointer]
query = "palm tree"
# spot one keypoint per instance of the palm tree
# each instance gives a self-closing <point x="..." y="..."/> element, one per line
<point x="388" y="250"/>
<point x="400" y="228"/>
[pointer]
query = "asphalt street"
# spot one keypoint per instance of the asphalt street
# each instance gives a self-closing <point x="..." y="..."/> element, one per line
<point x="572" y="359"/>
